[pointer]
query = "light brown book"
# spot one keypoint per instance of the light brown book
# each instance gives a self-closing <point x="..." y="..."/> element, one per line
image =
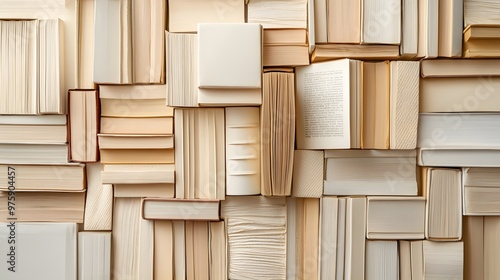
<point x="473" y="247"/>
<point x="481" y="191"/>
<point x="417" y="259"/>
<point x="197" y="250"/>
<point x="141" y="126"/>
<point x="365" y="52"/>
<point x="428" y="28"/>
<point x="138" y="173"/>
<point x="218" y="250"/>
<point x="308" y="171"/>
<point x="285" y="36"/>
<point x="344" y="21"/>
<point x="491" y="247"/>
<point x="179" y="229"/>
<point x="307" y="238"/>
<point x="285" y="55"/>
<point x="151" y="156"/>
<point x="163" y="250"/>
<point x="180" y="209"/>
<point x="144" y="190"/>
<point x="481" y="41"/>
<point x="135" y="108"/>
<point x="99" y="200"/>
<point x="33" y="134"/>
<point x="404" y="250"/>
<point x="382" y="260"/>
<point x="130" y="141"/>
<point x="83" y="125"/>
<point x="376" y="97"/>
<point x="454" y="68"/>
<point x="278" y="100"/>
<point x="443" y="260"/>
<point x="450" y="28"/>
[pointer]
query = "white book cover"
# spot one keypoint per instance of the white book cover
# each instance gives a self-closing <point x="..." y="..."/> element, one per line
<point x="42" y="251"/>
<point x="459" y="157"/>
<point x="94" y="255"/>
<point x="107" y="59"/>
<point x="230" y="55"/>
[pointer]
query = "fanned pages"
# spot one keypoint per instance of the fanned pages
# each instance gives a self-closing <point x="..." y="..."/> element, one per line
<point x="277" y="133"/>
<point x="99" y="203"/>
<point x="94" y="246"/>
<point x="308" y="173"/>
<point x="242" y="151"/>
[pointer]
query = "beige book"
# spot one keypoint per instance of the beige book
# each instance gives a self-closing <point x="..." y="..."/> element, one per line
<point x="33" y="119"/>
<point x="382" y="260"/>
<point x="460" y="94"/>
<point x="132" y="92"/>
<point x="218" y="255"/>
<point x="141" y="126"/>
<point x="395" y="217"/>
<point x="138" y="174"/>
<point x="44" y="207"/>
<point x="442" y="190"/>
<point x="373" y="29"/>
<point x="252" y="221"/>
<point x="307" y="240"/>
<point x="491" y="247"/>
<point x="405" y="268"/>
<point x="144" y="190"/>
<point x="243" y="151"/>
<point x="163" y="250"/>
<point x="355" y="228"/>
<point x="278" y="14"/>
<point x="180" y="209"/>
<point x="197" y="250"/>
<point x="275" y="131"/>
<point x="34" y="154"/>
<point x="481" y="31"/>
<point x="197" y="161"/>
<point x="409" y="29"/>
<point x="85" y="44"/>
<point x="436" y="68"/>
<point x="443" y="260"/>
<point x="131" y="141"/>
<point x="108" y="42"/>
<point x="365" y="52"/>
<point x="308" y="170"/>
<point x="417" y="260"/>
<point x="481" y="48"/>
<point x="135" y="108"/>
<point x="292" y="235"/>
<point x="83" y="125"/>
<point x="474" y="247"/>
<point x="344" y="21"/>
<point x="328" y="247"/>
<point x="99" y="203"/>
<point x="480" y="12"/>
<point x="481" y="191"/>
<point x="285" y="55"/>
<point x="376" y="100"/>
<point x="404" y="104"/>
<point x="285" y="36"/>
<point x="428" y="28"/>
<point x="68" y="177"/>
<point x="341" y="238"/>
<point x="179" y="231"/>
<point x="33" y="134"/>
<point x="92" y="246"/>
<point x="184" y="16"/>
<point x="320" y="19"/>
<point x="450" y="28"/>
<point x="152" y="156"/>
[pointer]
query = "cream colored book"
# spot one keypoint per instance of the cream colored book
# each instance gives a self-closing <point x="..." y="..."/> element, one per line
<point x="328" y="247"/>
<point x="473" y="238"/>
<point x="146" y="156"/>
<point x="409" y="28"/>
<point x="491" y="246"/>
<point x="443" y="260"/>
<point x="107" y="51"/>
<point x="417" y="259"/>
<point x="336" y="84"/>
<point x="135" y="108"/>
<point x="197" y="250"/>
<point x="163" y="250"/>
<point x="85" y="44"/>
<point x="285" y="55"/>
<point x="243" y="172"/>
<point x="37" y="177"/>
<point x="144" y="190"/>
<point x="463" y="68"/>
<point x="370" y="172"/>
<point x="33" y="119"/>
<point x="218" y="250"/>
<point x="382" y="261"/>
<point x="481" y="191"/>
<point x="428" y="28"/>
<point x="344" y="21"/>
<point x="373" y="30"/>
<point x="277" y="163"/>
<point x="308" y="170"/>
<point x="291" y="236"/>
<point x="278" y="14"/>
<point x="197" y="161"/>
<point x="451" y="17"/>
<point x="355" y="228"/>
<point x="34" y="153"/>
<point x="138" y="174"/>
<point x="320" y="21"/>
<point x="133" y="92"/>
<point x="341" y="237"/>
<point x="307" y="238"/>
<point x="404" y="104"/>
<point x="395" y="217"/>
<point x="481" y="12"/>
<point x="132" y="142"/>
<point x="459" y="157"/>
<point x="285" y="37"/>
<point x="253" y="221"/>
<point x="376" y="105"/>
<point x="99" y="203"/>
<point x="33" y="134"/>
<point x="37" y="246"/>
<point x="404" y="251"/>
<point x="326" y="52"/>
<point x="94" y="246"/>
<point x="140" y="126"/>
<point x="443" y="214"/>
<point x="83" y="125"/>
<point x="179" y="230"/>
<point x="184" y="16"/>
<point x="180" y="209"/>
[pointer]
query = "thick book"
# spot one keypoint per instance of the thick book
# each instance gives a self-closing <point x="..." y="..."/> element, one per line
<point x="35" y="250"/>
<point x="278" y="14"/>
<point x="163" y="250"/>
<point x="382" y="261"/>
<point x="135" y="125"/>
<point x="481" y="41"/>
<point x="443" y="260"/>
<point x="83" y="123"/>
<point x="395" y="217"/>
<point x="481" y="12"/>
<point x="99" y="200"/>
<point x="197" y="250"/>
<point x="34" y="120"/>
<point x="285" y="55"/>
<point x="180" y="209"/>
<point x="450" y="27"/>
<point x="409" y="29"/>
<point x="453" y="157"/>
<point x="163" y="190"/>
<point x="133" y="142"/>
<point x="33" y="134"/>
<point x="473" y="238"/>
<point x="326" y="52"/>
<point x="307" y="219"/>
<point x="428" y="28"/>
<point x="34" y="154"/>
<point x="138" y="174"/>
<point x="480" y="191"/>
<point x="370" y="172"/>
<point x="243" y="154"/>
<point x="94" y="246"/>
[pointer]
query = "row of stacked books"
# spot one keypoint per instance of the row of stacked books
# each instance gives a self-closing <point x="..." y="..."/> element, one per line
<point x="371" y="164"/>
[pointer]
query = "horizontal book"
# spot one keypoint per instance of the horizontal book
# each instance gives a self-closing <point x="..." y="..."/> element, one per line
<point x="34" y="120"/>
<point x="133" y="141"/>
<point x="31" y="177"/>
<point x="434" y="68"/>
<point x="83" y="125"/>
<point x="34" y="153"/>
<point x="395" y="217"/>
<point x="459" y="131"/>
<point x="180" y="209"/>
<point x="481" y="191"/>
<point x="128" y="156"/>
<point x="138" y="173"/>
<point x="141" y="126"/>
<point x="285" y="55"/>
<point x="459" y="157"/>
<point x="365" y="52"/>
<point x="33" y="134"/>
<point x="285" y="36"/>
<point x="91" y="246"/>
<point x="164" y="190"/>
<point x="480" y="12"/>
<point x="370" y="172"/>
<point x="278" y="14"/>
<point x="481" y="41"/>
<point x="132" y="92"/>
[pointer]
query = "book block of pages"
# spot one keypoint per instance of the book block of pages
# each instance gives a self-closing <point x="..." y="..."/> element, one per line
<point x="94" y="255"/>
<point x="370" y="172"/>
<point x="355" y="240"/>
<point x="374" y="30"/>
<point x="404" y="104"/>
<point x="395" y="217"/>
<point x="107" y="50"/>
<point x="33" y="134"/>
<point x="38" y="246"/>
<point x="481" y="191"/>
<point x="382" y="261"/>
<point x="99" y="202"/>
<point x="443" y="193"/>
<point x="308" y="173"/>
<point x="256" y="236"/>
<point x="184" y="15"/>
<point x="417" y="259"/>
<point x="491" y="231"/>
<point x="199" y="153"/>
<point x="481" y="12"/>
<point x="278" y="14"/>
<point x="33" y="153"/>
<point x="443" y="260"/>
<point x="307" y="219"/>
<point x="242" y="151"/>
<point x="31" y="177"/>
<point x="409" y="28"/>
<point x="329" y="225"/>
<point x="83" y="111"/>
<point x="473" y="238"/>
<point x="459" y="157"/>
